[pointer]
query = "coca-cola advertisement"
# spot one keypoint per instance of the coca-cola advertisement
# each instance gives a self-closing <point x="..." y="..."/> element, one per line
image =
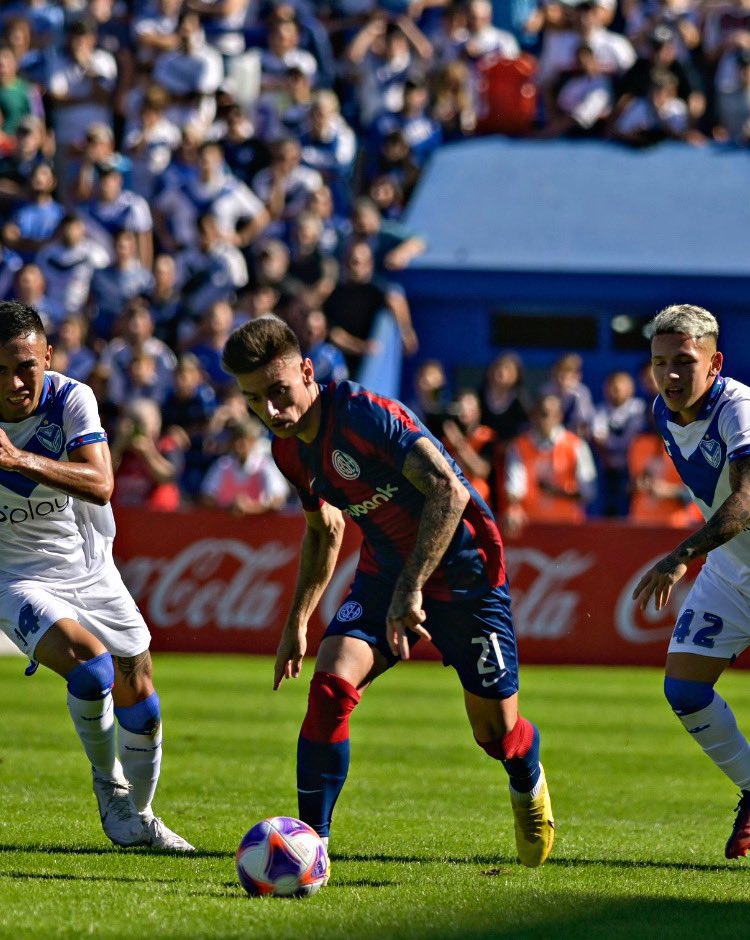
<point x="207" y="581"/>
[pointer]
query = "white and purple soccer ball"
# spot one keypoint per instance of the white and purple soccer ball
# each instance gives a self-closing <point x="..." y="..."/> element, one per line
<point x="282" y="856"/>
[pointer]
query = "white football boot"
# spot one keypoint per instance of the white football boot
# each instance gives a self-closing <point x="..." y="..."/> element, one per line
<point x="120" y="820"/>
<point x="158" y="836"/>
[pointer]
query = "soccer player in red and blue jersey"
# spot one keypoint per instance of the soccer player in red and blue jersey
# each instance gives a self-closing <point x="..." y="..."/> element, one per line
<point x="431" y="567"/>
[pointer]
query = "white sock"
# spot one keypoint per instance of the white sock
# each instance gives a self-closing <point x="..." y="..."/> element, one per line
<point x="94" y="722"/>
<point x="714" y="728"/>
<point x="140" y="755"/>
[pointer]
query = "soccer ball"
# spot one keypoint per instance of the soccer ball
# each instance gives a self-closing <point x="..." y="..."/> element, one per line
<point x="282" y="856"/>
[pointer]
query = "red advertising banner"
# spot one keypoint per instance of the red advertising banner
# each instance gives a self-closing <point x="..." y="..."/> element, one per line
<point x="208" y="582"/>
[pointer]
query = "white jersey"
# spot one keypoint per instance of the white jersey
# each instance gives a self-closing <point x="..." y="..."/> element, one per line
<point x="702" y="452"/>
<point x="45" y="535"/>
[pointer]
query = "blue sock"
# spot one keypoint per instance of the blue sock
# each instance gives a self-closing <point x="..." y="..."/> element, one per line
<point x="524" y="772"/>
<point x="321" y="774"/>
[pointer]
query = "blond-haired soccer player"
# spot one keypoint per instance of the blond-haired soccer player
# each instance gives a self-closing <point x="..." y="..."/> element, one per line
<point x="704" y="419"/>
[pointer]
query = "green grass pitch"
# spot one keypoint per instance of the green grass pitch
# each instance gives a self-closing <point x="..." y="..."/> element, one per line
<point x="422" y="844"/>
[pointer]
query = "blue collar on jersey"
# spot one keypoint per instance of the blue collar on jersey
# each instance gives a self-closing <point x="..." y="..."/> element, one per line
<point x="46" y="398"/>
<point x="711" y="401"/>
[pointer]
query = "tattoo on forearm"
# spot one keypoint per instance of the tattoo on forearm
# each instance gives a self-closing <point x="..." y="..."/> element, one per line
<point x="729" y="519"/>
<point x="441" y="516"/>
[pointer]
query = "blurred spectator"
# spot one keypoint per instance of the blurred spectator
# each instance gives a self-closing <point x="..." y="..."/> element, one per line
<point x="155" y="30"/>
<point x="191" y="74"/>
<point x="164" y="299"/>
<point x="482" y="38"/>
<point x="112" y="287"/>
<point x="567" y="384"/>
<point x="246" y="480"/>
<point x="383" y="55"/>
<point x="214" y="270"/>
<point x="151" y="141"/>
<point x="31" y="59"/>
<point x="616" y="423"/>
<point x="661" y="52"/>
<point x="137" y="338"/>
<point x="395" y="159"/>
<point x="660" y="115"/>
<point x="286" y="115"/>
<point x="413" y="119"/>
<point x="71" y="339"/>
<point x="31" y="149"/>
<point x="734" y="106"/>
<point x="239" y="214"/>
<point x="336" y="228"/>
<point x="285" y="185"/>
<point x="393" y="246"/>
<point x="113" y="209"/>
<point x="17" y="98"/>
<point x="328" y="361"/>
<point x="81" y="175"/>
<point x="309" y="265"/>
<point x="659" y="497"/>
<point x="35" y="222"/>
<point x="470" y="442"/>
<point x="147" y="463"/>
<point x="453" y="104"/>
<point x="432" y="398"/>
<point x="31" y="289"/>
<point x="81" y="85"/>
<point x="244" y="152"/>
<point x="505" y="406"/>
<point x="10" y="265"/>
<point x="358" y="298"/>
<point x="207" y="343"/>
<point x="283" y="52"/>
<point x="68" y="264"/>
<point x="584" y="100"/>
<point x="329" y="146"/>
<point x="387" y="195"/>
<point x="223" y="21"/>
<point x="726" y="31"/>
<point x="190" y="405"/>
<point x="550" y="474"/>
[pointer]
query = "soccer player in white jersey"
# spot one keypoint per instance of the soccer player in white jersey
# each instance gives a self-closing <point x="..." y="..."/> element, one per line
<point x="704" y="419"/>
<point x="62" y="601"/>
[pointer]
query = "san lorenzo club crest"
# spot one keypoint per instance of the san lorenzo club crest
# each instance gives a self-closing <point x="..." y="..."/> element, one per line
<point x="711" y="450"/>
<point x="51" y="436"/>
<point x="351" y="610"/>
<point x="346" y="466"/>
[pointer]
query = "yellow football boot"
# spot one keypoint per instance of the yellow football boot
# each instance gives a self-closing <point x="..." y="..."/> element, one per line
<point x="534" y="825"/>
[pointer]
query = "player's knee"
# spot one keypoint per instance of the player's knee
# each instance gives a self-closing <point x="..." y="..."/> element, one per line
<point x="142" y="718"/>
<point x="686" y="696"/>
<point x="330" y="702"/>
<point x="92" y="679"/>
<point x="522" y="737"/>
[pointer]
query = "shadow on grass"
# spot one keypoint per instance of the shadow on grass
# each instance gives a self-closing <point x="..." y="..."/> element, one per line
<point x="104" y="850"/>
<point x="496" y="863"/>
<point x="644" y="918"/>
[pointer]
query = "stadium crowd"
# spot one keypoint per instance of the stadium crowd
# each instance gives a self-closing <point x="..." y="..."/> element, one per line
<point x="172" y="168"/>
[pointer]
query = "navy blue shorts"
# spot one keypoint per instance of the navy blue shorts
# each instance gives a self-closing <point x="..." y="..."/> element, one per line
<point x="475" y="637"/>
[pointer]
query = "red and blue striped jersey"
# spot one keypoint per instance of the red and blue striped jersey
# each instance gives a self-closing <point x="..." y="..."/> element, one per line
<point x="355" y="463"/>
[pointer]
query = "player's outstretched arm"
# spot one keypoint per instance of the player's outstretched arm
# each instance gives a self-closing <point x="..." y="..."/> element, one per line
<point x="320" y="549"/>
<point x="729" y="520"/>
<point x="87" y="474"/>
<point x="445" y="499"/>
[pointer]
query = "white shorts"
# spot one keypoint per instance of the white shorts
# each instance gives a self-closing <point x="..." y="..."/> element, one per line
<point x="714" y="619"/>
<point x="29" y="608"/>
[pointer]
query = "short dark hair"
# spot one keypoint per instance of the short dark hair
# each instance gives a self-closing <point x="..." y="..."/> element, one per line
<point x="257" y="343"/>
<point x="17" y="319"/>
